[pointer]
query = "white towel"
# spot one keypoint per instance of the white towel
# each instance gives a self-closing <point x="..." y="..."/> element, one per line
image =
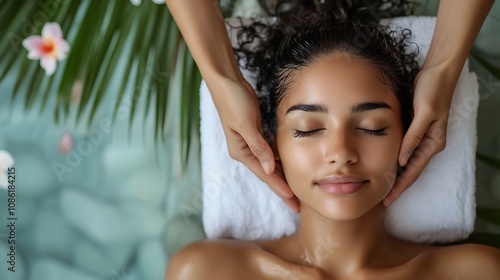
<point x="438" y="207"/>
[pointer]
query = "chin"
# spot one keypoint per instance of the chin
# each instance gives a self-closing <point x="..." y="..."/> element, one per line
<point x="344" y="210"/>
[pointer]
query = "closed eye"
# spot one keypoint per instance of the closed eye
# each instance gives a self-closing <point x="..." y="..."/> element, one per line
<point x="300" y="134"/>
<point x="377" y="132"/>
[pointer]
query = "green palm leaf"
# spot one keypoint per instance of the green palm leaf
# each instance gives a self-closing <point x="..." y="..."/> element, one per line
<point x="109" y="40"/>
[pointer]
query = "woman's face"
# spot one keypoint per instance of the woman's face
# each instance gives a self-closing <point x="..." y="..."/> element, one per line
<point x="338" y="137"/>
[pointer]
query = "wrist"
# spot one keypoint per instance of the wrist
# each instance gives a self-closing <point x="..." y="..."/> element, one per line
<point x="448" y="69"/>
<point x="220" y="82"/>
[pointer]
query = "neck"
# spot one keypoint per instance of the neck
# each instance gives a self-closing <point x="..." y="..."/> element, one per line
<point x="342" y="246"/>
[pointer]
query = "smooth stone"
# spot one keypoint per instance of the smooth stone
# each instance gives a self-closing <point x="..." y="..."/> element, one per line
<point x="48" y="268"/>
<point x="26" y="210"/>
<point x="99" y="220"/>
<point x="50" y="201"/>
<point x="126" y="273"/>
<point x="81" y="167"/>
<point x="3" y="212"/>
<point x="147" y="187"/>
<point x="92" y="258"/>
<point x="24" y="130"/>
<point x="20" y="264"/>
<point x="121" y="158"/>
<point x="34" y="177"/>
<point x="120" y="254"/>
<point x="147" y="222"/>
<point x="180" y="232"/>
<point x="152" y="260"/>
<point x="49" y="235"/>
<point x="100" y="260"/>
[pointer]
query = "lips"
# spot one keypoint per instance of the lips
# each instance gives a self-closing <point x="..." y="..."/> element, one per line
<point x="341" y="184"/>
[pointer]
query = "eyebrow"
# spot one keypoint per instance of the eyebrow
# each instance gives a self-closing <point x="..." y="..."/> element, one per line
<point x="368" y="106"/>
<point x="361" y="107"/>
<point x="314" y="108"/>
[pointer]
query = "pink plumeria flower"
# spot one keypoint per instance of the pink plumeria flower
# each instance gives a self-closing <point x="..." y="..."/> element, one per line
<point x="66" y="143"/>
<point x="6" y="161"/>
<point x="138" y="2"/>
<point x="49" y="47"/>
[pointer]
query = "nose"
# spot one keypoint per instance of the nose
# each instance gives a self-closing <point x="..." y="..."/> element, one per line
<point x="340" y="149"/>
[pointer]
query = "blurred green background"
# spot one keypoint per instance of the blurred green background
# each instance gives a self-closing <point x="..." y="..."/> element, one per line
<point x="128" y="195"/>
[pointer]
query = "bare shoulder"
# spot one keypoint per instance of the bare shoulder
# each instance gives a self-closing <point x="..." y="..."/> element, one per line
<point x="233" y="259"/>
<point x="218" y="259"/>
<point x="468" y="261"/>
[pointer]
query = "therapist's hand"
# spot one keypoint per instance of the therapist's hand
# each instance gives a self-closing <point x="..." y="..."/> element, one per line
<point x="426" y="136"/>
<point x="238" y="110"/>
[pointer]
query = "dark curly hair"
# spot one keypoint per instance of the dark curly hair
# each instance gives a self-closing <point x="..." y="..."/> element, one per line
<point x="305" y="30"/>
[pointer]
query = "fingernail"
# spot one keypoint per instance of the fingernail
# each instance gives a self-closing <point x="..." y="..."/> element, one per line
<point x="285" y="193"/>
<point x="405" y="159"/>
<point x="266" y="165"/>
<point x="386" y="203"/>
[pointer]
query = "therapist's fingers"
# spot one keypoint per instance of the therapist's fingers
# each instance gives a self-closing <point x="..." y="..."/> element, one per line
<point x="414" y="136"/>
<point x="262" y="151"/>
<point x="412" y="170"/>
<point x="292" y="202"/>
<point x="276" y="183"/>
<point x="432" y="143"/>
<point x="240" y="150"/>
<point x="249" y="139"/>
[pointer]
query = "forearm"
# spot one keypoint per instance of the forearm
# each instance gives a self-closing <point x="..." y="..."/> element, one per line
<point x="458" y="23"/>
<point x="202" y="26"/>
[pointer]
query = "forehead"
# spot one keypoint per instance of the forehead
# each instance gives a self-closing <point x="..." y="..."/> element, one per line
<point x="338" y="77"/>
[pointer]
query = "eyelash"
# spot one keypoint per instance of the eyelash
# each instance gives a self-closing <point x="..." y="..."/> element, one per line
<point x="378" y="132"/>
<point x="300" y="134"/>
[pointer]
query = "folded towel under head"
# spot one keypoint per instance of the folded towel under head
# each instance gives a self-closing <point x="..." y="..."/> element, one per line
<point x="438" y="207"/>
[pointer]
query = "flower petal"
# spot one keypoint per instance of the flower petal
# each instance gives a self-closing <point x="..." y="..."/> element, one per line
<point x="159" y="2"/>
<point x="33" y="42"/>
<point x="136" y="2"/>
<point x="51" y="30"/>
<point x="62" y="49"/>
<point x="6" y="160"/>
<point x="49" y="64"/>
<point x="66" y="143"/>
<point x="3" y="180"/>
<point x="35" y="45"/>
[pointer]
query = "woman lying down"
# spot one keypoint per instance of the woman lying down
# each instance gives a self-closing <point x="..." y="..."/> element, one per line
<point x="340" y="103"/>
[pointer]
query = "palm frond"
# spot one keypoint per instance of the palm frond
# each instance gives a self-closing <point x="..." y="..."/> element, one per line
<point x="109" y="40"/>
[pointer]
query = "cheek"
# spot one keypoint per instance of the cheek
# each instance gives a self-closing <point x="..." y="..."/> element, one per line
<point x="298" y="162"/>
<point x="382" y="161"/>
